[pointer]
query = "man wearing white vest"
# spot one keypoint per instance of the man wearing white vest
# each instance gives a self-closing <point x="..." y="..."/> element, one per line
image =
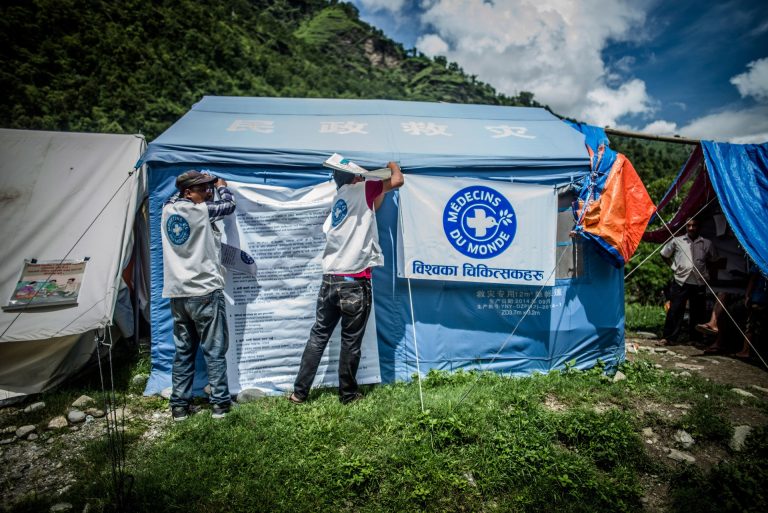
<point x="351" y="250"/>
<point x="193" y="279"/>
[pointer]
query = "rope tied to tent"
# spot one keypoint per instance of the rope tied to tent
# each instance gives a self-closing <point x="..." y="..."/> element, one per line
<point x="115" y="434"/>
<point x="90" y="225"/>
<point x="709" y="287"/>
<point x="509" y="337"/>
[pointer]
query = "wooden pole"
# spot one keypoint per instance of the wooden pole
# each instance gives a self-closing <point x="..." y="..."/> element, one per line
<point x="663" y="138"/>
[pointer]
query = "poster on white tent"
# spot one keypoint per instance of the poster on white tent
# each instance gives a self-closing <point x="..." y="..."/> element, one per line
<point x="270" y="313"/>
<point x="456" y="229"/>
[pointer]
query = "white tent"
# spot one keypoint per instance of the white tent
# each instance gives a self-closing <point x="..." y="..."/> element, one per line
<point x="63" y="196"/>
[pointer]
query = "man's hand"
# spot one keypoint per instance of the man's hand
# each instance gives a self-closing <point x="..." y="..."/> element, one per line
<point x="221" y="182"/>
<point x="396" y="180"/>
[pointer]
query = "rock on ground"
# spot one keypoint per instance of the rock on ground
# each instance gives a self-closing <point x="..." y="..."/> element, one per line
<point x="23" y="431"/>
<point x="58" y="422"/>
<point x="739" y="437"/>
<point x="676" y="455"/>
<point x="76" y="416"/>
<point x="82" y="401"/>
<point x="34" y="407"/>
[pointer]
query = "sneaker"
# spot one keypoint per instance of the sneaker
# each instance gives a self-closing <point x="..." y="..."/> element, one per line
<point x="219" y="412"/>
<point x="179" y="413"/>
<point x="358" y="396"/>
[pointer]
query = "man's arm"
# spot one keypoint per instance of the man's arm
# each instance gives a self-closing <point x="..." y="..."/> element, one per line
<point x="225" y="206"/>
<point x="393" y="182"/>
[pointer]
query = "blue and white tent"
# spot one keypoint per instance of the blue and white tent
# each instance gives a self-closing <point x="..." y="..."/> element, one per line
<point x="283" y="142"/>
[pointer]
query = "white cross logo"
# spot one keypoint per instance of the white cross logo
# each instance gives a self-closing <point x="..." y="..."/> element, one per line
<point x="480" y="223"/>
<point x="177" y="229"/>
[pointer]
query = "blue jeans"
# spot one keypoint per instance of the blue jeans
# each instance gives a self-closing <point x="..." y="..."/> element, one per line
<point x="200" y="322"/>
<point x="348" y="300"/>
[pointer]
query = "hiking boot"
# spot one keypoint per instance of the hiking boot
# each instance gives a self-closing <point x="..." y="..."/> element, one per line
<point x="219" y="412"/>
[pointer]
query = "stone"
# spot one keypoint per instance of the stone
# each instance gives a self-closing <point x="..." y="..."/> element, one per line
<point x="619" y="376"/>
<point x="76" y="416"/>
<point x="32" y="437"/>
<point x="661" y="350"/>
<point x="682" y="406"/>
<point x="742" y="393"/>
<point x="34" y="407"/>
<point x="657" y="366"/>
<point x="740" y="434"/>
<point x="684" y="374"/>
<point x="684" y="438"/>
<point x="94" y="412"/>
<point x="249" y="394"/>
<point x="688" y="366"/>
<point x="82" y="402"/>
<point x="645" y="334"/>
<point x="648" y="432"/>
<point x="61" y="507"/>
<point x="631" y="348"/>
<point x="23" y="431"/>
<point x="646" y="349"/>
<point x="760" y="389"/>
<point x="676" y="455"/>
<point x="9" y="430"/>
<point x="166" y="393"/>
<point x="7" y="441"/>
<point x="58" y="422"/>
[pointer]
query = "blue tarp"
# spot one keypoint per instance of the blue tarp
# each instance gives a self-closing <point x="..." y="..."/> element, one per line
<point x="284" y="142"/>
<point x="739" y="176"/>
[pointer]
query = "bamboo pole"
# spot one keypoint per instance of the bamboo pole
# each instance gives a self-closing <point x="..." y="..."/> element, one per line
<point x="663" y="138"/>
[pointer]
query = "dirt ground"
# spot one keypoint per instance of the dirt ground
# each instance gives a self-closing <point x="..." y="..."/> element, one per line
<point x="723" y="369"/>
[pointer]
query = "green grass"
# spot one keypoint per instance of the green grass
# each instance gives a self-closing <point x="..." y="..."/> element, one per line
<point x="644" y="317"/>
<point x="485" y="442"/>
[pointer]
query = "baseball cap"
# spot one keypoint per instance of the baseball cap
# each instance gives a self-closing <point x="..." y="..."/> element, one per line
<point x="189" y="178"/>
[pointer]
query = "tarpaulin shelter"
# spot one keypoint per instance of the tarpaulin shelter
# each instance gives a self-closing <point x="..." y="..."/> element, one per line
<point x="283" y="142"/>
<point x="65" y="196"/>
<point x="727" y="184"/>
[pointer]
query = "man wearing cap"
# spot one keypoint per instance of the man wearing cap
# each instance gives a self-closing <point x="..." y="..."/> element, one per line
<point x="193" y="279"/>
<point x="351" y="250"/>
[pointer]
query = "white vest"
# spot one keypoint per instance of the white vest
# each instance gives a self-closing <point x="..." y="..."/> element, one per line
<point x="191" y="251"/>
<point x="352" y="238"/>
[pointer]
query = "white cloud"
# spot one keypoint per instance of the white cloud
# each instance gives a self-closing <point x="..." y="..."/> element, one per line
<point x="754" y="81"/>
<point x="737" y="126"/>
<point x="393" y="6"/>
<point x="432" y="45"/>
<point x="604" y="105"/>
<point x="660" y="127"/>
<point x="552" y="48"/>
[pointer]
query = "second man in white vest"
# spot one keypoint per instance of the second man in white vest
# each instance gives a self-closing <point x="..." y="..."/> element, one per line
<point x="351" y="250"/>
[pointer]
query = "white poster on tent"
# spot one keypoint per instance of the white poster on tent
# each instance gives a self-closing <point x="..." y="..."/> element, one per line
<point x="456" y="229"/>
<point x="271" y="313"/>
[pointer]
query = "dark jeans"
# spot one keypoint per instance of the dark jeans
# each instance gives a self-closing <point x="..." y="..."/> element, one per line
<point x="200" y="322"/>
<point x="695" y="296"/>
<point x="348" y="299"/>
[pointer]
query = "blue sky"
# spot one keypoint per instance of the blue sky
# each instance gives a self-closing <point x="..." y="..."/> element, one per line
<point x="698" y="69"/>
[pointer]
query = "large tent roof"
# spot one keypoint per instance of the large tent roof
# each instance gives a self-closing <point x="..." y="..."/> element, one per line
<point x="301" y="132"/>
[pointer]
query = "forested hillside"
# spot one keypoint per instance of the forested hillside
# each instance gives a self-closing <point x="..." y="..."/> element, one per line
<point x="136" y="66"/>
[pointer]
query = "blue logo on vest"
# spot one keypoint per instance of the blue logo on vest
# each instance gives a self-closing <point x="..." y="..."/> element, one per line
<point x="479" y="222"/>
<point x="177" y="229"/>
<point x="246" y="258"/>
<point x="338" y="213"/>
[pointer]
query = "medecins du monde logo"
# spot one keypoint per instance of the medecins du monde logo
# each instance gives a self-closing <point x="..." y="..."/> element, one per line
<point x="479" y="222"/>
